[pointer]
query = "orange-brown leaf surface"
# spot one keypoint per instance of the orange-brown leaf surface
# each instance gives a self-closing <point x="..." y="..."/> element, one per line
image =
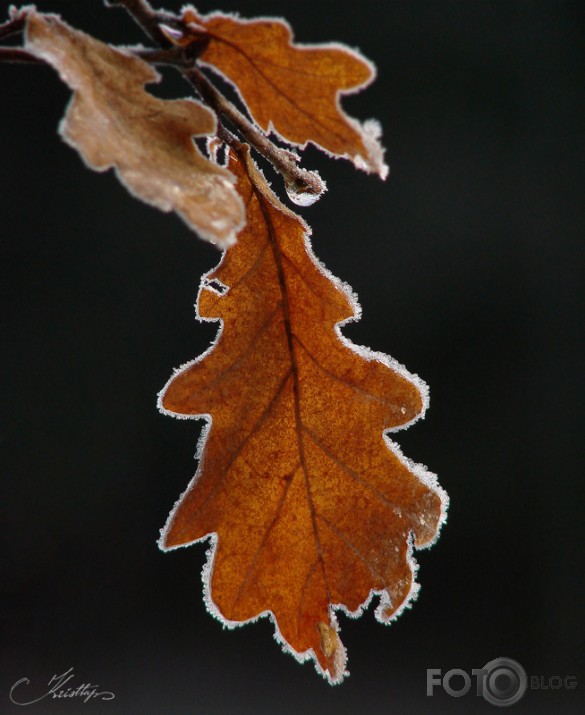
<point x="113" y="122"/>
<point x="309" y="505"/>
<point x="292" y="88"/>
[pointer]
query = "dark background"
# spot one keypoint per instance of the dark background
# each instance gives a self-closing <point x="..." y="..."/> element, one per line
<point x="468" y="263"/>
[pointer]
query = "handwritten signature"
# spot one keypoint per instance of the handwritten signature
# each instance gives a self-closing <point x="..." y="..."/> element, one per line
<point x="57" y="689"/>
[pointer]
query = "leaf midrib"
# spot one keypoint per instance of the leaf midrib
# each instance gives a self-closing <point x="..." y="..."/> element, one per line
<point x="277" y="254"/>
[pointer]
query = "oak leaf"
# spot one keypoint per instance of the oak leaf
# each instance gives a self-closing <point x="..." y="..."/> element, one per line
<point x="309" y="506"/>
<point x="290" y="88"/>
<point x="113" y="122"/>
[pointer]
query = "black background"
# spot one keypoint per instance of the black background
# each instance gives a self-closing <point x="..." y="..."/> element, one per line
<point x="468" y="263"/>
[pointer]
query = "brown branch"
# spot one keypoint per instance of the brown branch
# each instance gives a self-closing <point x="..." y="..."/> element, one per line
<point x="147" y="18"/>
<point x="296" y="179"/>
<point x="16" y="54"/>
<point x="173" y="56"/>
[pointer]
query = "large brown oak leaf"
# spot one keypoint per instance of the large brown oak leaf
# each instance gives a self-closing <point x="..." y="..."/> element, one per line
<point x="309" y="505"/>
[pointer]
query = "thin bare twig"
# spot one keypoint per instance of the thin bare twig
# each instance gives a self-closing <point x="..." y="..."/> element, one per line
<point x="17" y="54"/>
<point x="147" y="18"/>
<point x="173" y="56"/>
<point x="297" y="179"/>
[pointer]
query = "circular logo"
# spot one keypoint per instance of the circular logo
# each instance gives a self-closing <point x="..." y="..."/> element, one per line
<point x="504" y="682"/>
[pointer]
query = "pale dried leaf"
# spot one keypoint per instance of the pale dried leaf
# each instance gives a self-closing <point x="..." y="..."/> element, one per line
<point x="113" y="122"/>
